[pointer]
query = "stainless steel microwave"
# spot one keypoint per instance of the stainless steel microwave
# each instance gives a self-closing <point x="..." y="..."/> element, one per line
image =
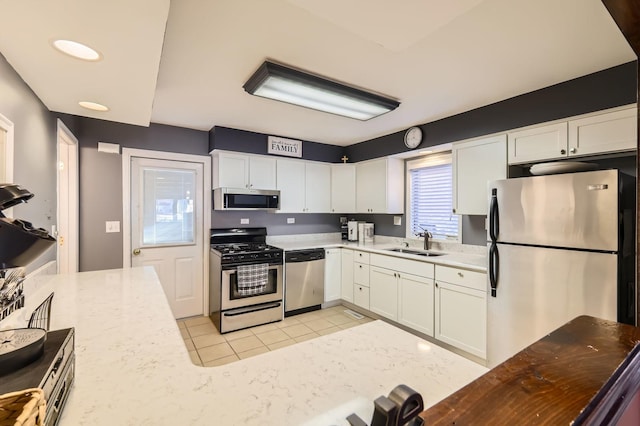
<point x="245" y="199"/>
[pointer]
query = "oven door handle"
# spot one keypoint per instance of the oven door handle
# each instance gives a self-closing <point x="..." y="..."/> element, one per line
<point x="253" y="309"/>
<point x="231" y="269"/>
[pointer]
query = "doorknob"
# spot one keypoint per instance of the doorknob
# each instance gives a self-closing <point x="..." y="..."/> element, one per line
<point x="136" y="252"/>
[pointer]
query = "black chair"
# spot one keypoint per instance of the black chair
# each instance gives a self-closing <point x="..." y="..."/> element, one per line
<point x="41" y="316"/>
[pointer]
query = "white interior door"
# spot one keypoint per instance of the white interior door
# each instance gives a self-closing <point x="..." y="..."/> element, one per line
<point x="167" y="228"/>
<point x="67" y="217"/>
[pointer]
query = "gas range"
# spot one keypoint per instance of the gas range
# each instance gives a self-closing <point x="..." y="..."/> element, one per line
<point x="245" y="279"/>
<point x="243" y="245"/>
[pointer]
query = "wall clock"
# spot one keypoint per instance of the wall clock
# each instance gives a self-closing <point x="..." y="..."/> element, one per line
<point x="413" y="137"/>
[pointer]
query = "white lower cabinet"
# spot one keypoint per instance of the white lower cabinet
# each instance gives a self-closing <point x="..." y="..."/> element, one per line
<point x="361" y="296"/>
<point x="415" y="303"/>
<point x="461" y="309"/>
<point x="346" y="283"/>
<point x="332" y="274"/>
<point x="383" y="292"/>
<point x="361" y="279"/>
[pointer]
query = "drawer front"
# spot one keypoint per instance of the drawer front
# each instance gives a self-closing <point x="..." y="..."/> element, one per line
<point x="361" y="296"/>
<point x="361" y="256"/>
<point x="361" y="274"/>
<point x="414" y="267"/>
<point x="469" y="279"/>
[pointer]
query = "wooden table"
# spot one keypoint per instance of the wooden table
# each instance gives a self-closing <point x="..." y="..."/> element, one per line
<point x="550" y="382"/>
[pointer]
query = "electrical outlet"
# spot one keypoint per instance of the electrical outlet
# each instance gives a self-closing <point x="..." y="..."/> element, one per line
<point x="291" y="220"/>
<point x="244" y="221"/>
<point x="397" y="220"/>
<point x="112" y="226"/>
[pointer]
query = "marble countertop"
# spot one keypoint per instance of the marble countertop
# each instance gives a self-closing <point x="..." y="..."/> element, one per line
<point x="472" y="261"/>
<point x="132" y="367"/>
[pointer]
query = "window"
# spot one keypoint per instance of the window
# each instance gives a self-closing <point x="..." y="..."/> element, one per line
<point x="430" y="195"/>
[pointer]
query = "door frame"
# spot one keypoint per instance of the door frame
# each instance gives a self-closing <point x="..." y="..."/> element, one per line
<point x="127" y="154"/>
<point x="64" y="135"/>
<point x="7" y="126"/>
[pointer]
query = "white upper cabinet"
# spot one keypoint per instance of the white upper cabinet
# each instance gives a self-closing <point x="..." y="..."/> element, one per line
<point x="317" y="188"/>
<point x="290" y="182"/>
<point x="234" y="170"/>
<point x="596" y="133"/>
<point x="305" y="186"/>
<point x="474" y="164"/>
<point x="539" y="143"/>
<point x="343" y="188"/>
<point x="380" y="186"/>
<point x="610" y="132"/>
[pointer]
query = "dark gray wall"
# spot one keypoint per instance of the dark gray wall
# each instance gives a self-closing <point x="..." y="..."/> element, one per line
<point x="601" y="90"/>
<point x="256" y="143"/>
<point x="276" y="223"/>
<point x="35" y="152"/>
<point x="101" y="180"/>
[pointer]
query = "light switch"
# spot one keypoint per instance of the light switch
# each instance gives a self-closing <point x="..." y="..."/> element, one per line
<point x="113" y="226"/>
<point x="244" y="221"/>
<point x="291" y="220"/>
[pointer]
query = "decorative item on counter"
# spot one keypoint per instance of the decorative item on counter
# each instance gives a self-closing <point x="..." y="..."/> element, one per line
<point x="23" y="408"/>
<point x="20" y="347"/>
<point x="401" y="408"/>
<point x="11" y="291"/>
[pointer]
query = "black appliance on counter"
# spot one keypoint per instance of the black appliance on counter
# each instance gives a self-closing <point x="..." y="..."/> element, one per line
<point x="245" y="279"/>
<point x="29" y="357"/>
<point x="344" y="228"/>
<point x="20" y="242"/>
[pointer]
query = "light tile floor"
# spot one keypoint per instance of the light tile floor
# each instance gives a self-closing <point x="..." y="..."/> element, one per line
<point x="208" y="348"/>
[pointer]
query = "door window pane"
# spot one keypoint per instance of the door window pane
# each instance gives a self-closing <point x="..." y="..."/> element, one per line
<point x="168" y="206"/>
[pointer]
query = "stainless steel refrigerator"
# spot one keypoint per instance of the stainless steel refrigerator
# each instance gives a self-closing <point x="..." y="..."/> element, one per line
<point x="559" y="246"/>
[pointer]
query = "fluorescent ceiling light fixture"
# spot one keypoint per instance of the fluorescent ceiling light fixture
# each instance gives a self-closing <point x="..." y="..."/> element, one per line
<point x="77" y="50"/>
<point x="288" y="85"/>
<point x="93" y="106"/>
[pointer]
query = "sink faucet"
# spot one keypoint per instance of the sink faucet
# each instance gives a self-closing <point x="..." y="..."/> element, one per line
<point x="427" y="237"/>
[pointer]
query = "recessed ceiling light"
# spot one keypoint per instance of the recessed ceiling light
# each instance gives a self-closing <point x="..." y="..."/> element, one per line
<point x="93" y="106"/>
<point x="77" y="50"/>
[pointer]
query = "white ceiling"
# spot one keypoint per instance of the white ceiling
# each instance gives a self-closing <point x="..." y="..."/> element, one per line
<point x="184" y="62"/>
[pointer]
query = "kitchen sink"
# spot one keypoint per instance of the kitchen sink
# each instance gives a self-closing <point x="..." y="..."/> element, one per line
<point x="414" y="252"/>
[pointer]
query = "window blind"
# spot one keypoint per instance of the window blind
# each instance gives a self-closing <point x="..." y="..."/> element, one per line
<point x="431" y="201"/>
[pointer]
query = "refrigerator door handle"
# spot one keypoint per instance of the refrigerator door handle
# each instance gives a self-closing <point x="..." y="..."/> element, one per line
<point x="494" y="264"/>
<point x="494" y="222"/>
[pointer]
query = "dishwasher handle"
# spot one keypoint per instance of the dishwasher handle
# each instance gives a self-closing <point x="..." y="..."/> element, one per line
<point x="297" y="256"/>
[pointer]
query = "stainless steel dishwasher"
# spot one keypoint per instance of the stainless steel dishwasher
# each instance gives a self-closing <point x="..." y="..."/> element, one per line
<point x="303" y="281"/>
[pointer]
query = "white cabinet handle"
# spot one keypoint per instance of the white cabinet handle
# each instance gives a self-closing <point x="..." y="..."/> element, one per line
<point x="573" y="150"/>
<point x="460" y="274"/>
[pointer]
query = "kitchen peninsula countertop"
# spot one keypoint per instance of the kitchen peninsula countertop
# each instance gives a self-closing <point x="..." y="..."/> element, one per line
<point x="471" y="261"/>
<point x="132" y="367"/>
